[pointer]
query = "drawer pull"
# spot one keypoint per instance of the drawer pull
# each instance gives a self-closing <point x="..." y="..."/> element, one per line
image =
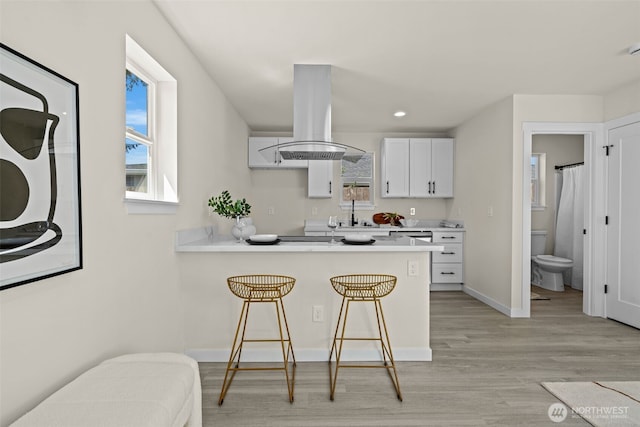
<point x="448" y="253"/>
<point x="448" y="237"/>
<point x="447" y="272"/>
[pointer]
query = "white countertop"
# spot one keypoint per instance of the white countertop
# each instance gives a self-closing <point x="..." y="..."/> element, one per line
<point x="205" y="240"/>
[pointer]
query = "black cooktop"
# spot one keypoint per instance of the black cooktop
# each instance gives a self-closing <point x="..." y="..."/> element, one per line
<point x="305" y="238"/>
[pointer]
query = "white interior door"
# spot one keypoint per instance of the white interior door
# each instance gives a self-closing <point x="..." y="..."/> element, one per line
<point x="623" y="231"/>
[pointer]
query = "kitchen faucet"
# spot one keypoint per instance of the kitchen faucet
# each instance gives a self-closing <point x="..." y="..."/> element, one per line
<point x="353" y="212"/>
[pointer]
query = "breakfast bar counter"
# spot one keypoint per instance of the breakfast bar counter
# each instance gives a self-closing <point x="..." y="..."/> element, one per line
<point x="205" y="240"/>
<point x="211" y="311"/>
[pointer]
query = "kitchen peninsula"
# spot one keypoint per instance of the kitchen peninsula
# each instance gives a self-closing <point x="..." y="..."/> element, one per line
<point x="212" y="311"/>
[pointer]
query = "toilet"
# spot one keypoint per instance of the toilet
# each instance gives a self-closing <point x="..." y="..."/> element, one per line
<point x="546" y="270"/>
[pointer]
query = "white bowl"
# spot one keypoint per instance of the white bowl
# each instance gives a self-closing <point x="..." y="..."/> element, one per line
<point x="263" y="237"/>
<point x="357" y="237"/>
<point x="409" y="222"/>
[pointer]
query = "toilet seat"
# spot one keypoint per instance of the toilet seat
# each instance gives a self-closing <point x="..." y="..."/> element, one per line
<point x="552" y="259"/>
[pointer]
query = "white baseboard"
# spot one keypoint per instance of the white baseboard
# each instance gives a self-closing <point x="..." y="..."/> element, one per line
<point x="311" y="355"/>
<point x="487" y="300"/>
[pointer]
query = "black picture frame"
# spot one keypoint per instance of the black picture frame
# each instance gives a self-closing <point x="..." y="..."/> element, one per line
<point x="40" y="196"/>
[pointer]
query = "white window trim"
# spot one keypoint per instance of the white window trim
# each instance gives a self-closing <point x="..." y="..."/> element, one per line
<point x="542" y="192"/>
<point x="162" y="127"/>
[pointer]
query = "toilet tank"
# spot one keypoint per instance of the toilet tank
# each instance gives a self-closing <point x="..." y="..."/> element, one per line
<point x="538" y="242"/>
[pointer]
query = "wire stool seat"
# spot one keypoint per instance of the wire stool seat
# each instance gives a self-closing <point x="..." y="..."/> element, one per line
<point x="362" y="288"/>
<point x="260" y="288"/>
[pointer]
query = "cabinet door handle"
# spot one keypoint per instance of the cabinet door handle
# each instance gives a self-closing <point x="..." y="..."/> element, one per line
<point x="429" y="187"/>
<point x="387" y="187"/>
<point x="433" y="191"/>
<point x="329" y="187"/>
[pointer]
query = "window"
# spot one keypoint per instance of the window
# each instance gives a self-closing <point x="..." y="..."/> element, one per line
<point x="538" y="172"/>
<point x="139" y="137"/>
<point x="150" y="134"/>
<point x="357" y="181"/>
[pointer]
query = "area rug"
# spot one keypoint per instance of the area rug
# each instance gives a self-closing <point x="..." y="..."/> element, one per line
<point x="600" y="403"/>
<point x="535" y="296"/>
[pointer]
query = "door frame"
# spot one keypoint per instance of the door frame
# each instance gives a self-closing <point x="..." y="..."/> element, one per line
<point x="593" y="300"/>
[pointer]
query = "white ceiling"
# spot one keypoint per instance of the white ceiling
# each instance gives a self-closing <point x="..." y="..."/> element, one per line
<point x="441" y="61"/>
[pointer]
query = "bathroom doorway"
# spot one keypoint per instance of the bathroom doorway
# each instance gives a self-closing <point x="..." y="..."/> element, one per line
<point x="557" y="201"/>
<point x="590" y="136"/>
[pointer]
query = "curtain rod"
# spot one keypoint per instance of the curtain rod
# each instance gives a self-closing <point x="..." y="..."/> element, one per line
<point x="569" y="165"/>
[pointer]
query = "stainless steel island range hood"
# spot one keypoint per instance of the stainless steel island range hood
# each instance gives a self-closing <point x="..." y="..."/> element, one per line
<point x="311" y="118"/>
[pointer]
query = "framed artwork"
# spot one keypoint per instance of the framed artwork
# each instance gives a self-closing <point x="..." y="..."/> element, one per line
<point x="40" y="221"/>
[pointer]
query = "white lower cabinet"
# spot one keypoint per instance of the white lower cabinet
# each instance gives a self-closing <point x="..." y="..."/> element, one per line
<point x="447" y="272"/>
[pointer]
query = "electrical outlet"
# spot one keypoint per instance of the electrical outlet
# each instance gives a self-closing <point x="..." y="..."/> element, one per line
<point x="271" y="210"/>
<point x="490" y="211"/>
<point x="317" y="313"/>
<point x="314" y="211"/>
<point x="412" y="268"/>
<point x="412" y="211"/>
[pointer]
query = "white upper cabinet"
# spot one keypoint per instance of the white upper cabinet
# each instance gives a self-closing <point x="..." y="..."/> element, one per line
<point x="320" y="179"/>
<point x="417" y="167"/>
<point x="442" y="167"/>
<point x="258" y="160"/>
<point x="394" y="167"/>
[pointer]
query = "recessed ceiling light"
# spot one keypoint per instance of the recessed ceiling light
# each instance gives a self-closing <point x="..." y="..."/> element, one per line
<point x="634" y="49"/>
<point x="399" y="114"/>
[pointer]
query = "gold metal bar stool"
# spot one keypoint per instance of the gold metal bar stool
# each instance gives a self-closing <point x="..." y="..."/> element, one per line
<point x="362" y="288"/>
<point x="260" y="288"/>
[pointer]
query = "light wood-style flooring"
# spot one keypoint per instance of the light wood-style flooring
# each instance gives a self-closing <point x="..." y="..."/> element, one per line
<point x="486" y="370"/>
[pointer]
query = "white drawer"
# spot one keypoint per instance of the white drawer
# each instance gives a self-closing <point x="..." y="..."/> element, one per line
<point x="448" y="236"/>
<point x="446" y="273"/>
<point x="451" y="253"/>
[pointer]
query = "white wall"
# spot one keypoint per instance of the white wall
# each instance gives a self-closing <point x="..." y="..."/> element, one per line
<point x="623" y="101"/>
<point x="482" y="182"/>
<point x="539" y="108"/>
<point x="559" y="150"/>
<point x="489" y="173"/>
<point x="127" y="298"/>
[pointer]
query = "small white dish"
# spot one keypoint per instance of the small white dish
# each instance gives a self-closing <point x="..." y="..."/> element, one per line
<point x="263" y="237"/>
<point x="408" y="222"/>
<point x="357" y="237"/>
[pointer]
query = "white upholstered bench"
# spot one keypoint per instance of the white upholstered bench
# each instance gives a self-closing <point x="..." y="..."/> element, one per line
<point x="135" y="390"/>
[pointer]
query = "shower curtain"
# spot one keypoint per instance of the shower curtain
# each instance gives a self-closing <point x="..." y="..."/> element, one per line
<point x="570" y="223"/>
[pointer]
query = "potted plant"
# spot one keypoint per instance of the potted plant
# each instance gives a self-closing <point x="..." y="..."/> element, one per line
<point x="240" y="209"/>
<point x="224" y="206"/>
